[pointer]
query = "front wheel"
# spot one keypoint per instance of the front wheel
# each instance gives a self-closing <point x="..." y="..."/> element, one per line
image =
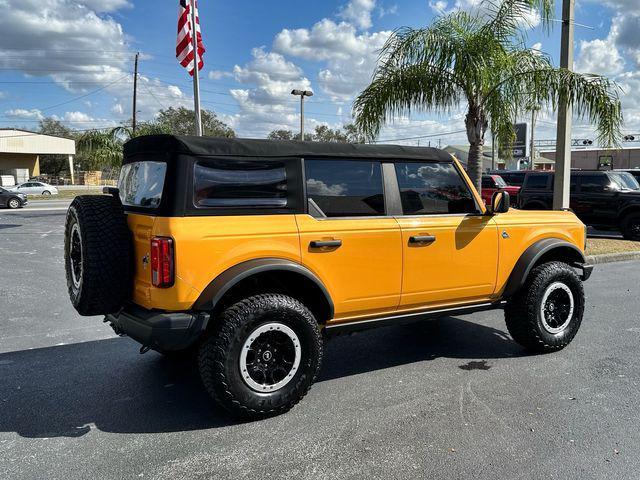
<point x="262" y="356"/>
<point x="13" y="203"/>
<point x="546" y="313"/>
<point x="631" y="227"/>
<point x="46" y="193"/>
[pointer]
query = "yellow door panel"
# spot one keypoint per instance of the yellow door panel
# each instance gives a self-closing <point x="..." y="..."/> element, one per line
<point x="458" y="264"/>
<point x="363" y="274"/>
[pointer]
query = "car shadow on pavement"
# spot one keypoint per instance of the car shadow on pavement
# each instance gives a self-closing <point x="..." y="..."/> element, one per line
<point x="67" y="390"/>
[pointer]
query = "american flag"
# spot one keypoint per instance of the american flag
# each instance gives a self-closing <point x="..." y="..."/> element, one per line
<point x="184" y="46"/>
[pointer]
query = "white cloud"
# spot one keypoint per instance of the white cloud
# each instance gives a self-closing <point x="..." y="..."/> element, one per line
<point x="3" y="95"/>
<point x="358" y="13"/>
<point x="599" y="56"/>
<point x="219" y="74"/>
<point x="106" y="5"/>
<point x="117" y="109"/>
<point x="33" y="114"/>
<point x="350" y="57"/>
<point x="64" y="39"/>
<point x="77" y="117"/>
<point x="439" y="6"/>
<point x="384" y="11"/>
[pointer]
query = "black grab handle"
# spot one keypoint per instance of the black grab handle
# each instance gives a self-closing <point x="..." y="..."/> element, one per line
<point x="422" y="239"/>
<point x="325" y="243"/>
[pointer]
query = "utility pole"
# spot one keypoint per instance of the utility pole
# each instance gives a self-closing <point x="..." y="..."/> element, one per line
<point x="493" y="151"/>
<point x="562" y="178"/>
<point x="135" y="93"/>
<point x="532" y="149"/>
<point x="302" y="94"/>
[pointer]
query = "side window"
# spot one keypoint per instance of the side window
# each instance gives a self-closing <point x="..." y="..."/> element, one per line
<point x="433" y="188"/>
<point x="593" y="183"/>
<point x="537" y="182"/>
<point x="239" y="183"/>
<point x="487" y="182"/>
<point x="344" y="188"/>
<point x="574" y="183"/>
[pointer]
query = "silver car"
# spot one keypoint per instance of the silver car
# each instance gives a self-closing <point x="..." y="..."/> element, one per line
<point x="35" y="188"/>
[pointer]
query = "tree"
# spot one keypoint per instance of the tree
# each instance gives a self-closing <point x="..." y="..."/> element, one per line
<point x="281" y="134"/>
<point x="481" y="60"/>
<point x="322" y="133"/>
<point x="99" y="149"/>
<point x="181" y="121"/>
<point x="54" y="164"/>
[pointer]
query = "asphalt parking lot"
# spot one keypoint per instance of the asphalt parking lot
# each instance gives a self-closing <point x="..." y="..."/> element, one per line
<point x="452" y="398"/>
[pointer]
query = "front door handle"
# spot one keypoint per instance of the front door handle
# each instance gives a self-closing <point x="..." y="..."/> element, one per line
<point x="422" y="239"/>
<point x="325" y="243"/>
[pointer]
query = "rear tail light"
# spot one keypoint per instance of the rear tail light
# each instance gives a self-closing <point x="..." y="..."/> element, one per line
<point x="162" y="262"/>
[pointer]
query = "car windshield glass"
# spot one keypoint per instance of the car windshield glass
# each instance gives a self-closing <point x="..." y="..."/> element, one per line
<point x="625" y="181"/>
<point x="141" y="183"/>
<point x="2" y="190"/>
<point x="500" y="183"/>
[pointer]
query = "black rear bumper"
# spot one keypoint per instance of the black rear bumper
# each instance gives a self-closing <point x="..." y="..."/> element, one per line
<point x="163" y="331"/>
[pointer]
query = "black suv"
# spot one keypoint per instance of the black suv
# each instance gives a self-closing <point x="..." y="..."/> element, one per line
<point x="607" y="200"/>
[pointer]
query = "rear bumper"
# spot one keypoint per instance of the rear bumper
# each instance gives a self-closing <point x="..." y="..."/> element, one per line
<point x="163" y="331"/>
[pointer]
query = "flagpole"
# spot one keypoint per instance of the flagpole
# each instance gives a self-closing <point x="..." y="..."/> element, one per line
<point x="196" y="73"/>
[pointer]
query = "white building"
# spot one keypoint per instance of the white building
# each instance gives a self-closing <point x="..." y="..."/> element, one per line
<point x="22" y="149"/>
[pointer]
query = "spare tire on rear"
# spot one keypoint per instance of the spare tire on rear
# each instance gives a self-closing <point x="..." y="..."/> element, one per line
<point x="97" y="255"/>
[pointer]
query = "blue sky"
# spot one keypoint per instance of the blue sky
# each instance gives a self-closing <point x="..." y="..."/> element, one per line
<point x="54" y="51"/>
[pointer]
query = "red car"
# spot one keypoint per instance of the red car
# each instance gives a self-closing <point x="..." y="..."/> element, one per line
<point x="493" y="183"/>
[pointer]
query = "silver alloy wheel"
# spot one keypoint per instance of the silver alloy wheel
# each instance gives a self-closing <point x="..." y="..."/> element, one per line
<point x="46" y="193"/>
<point x="556" y="308"/>
<point x="270" y="357"/>
<point x="75" y="255"/>
<point x="14" y="203"/>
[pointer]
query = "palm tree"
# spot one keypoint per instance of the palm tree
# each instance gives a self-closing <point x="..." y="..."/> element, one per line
<point x="481" y="59"/>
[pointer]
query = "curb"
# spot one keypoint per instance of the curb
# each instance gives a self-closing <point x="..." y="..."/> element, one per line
<point x="613" y="257"/>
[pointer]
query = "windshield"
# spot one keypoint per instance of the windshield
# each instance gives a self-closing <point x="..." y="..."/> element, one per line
<point x="2" y="190"/>
<point x="141" y="184"/>
<point x="625" y="181"/>
<point x="500" y="183"/>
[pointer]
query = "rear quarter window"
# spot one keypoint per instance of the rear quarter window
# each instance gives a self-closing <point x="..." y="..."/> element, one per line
<point x="141" y="183"/>
<point x="234" y="183"/>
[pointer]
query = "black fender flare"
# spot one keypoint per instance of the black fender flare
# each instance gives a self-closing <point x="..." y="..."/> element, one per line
<point x="220" y="285"/>
<point x="535" y="252"/>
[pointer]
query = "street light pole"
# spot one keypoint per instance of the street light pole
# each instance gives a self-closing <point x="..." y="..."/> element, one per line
<point x="562" y="178"/>
<point x="302" y="94"/>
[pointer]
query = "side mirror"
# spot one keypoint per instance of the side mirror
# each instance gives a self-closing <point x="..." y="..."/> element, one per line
<point x="500" y="202"/>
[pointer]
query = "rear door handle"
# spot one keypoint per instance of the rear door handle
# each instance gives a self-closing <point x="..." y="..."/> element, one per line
<point x="422" y="239"/>
<point x="325" y="243"/>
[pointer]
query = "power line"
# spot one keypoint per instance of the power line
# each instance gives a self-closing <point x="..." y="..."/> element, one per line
<point x="420" y="137"/>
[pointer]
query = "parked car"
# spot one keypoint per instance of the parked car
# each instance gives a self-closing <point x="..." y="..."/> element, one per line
<point x="35" y="188"/>
<point x="514" y="178"/>
<point x="492" y="183"/>
<point x="607" y="200"/>
<point x="633" y="171"/>
<point x="11" y="199"/>
<point x="248" y="253"/>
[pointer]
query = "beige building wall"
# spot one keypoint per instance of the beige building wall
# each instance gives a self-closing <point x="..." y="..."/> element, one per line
<point x="9" y="161"/>
<point x="589" y="159"/>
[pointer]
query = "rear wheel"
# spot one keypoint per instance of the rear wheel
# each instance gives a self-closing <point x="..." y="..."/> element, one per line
<point x="13" y="203"/>
<point x="631" y="227"/>
<point x="546" y="313"/>
<point x="262" y="357"/>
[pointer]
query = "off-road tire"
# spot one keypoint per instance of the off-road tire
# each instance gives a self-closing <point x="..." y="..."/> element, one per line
<point x="522" y="312"/>
<point x="105" y="280"/>
<point x="14" y="202"/>
<point x="630" y="230"/>
<point x="219" y="355"/>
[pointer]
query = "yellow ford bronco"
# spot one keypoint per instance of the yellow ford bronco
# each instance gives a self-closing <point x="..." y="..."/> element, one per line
<point x="249" y="253"/>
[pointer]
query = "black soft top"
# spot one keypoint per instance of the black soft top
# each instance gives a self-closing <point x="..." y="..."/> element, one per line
<point x="240" y="147"/>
